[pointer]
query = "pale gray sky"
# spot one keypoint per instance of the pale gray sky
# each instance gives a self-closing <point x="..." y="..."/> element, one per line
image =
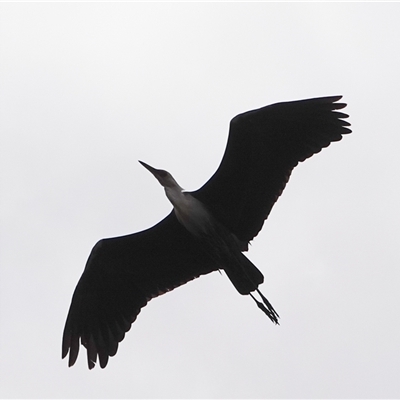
<point x="88" y="89"/>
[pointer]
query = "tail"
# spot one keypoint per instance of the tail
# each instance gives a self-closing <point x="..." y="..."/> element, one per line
<point x="244" y="275"/>
<point x="246" y="279"/>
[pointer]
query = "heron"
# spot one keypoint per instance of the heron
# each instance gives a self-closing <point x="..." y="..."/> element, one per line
<point x="207" y="230"/>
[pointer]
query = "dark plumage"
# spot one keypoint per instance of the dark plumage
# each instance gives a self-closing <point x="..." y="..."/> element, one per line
<point x="207" y="230"/>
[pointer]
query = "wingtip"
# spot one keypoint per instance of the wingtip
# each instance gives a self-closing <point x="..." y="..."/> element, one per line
<point x="336" y="97"/>
<point x="66" y="343"/>
<point x="64" y="352"/>
<point x="326" y="99"/>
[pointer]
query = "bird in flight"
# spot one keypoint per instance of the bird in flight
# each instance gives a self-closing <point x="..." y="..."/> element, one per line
<point x="207" y="230"/>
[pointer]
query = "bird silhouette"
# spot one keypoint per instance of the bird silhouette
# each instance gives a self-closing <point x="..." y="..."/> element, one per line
<point x="207" y="230"/>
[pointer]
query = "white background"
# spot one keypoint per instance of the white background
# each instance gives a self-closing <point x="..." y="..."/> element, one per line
<point x="88" y="89"/>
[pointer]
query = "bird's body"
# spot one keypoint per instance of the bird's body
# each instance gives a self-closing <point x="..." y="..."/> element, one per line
<point x="207" y="230"/>
<point x="222" y="246"/>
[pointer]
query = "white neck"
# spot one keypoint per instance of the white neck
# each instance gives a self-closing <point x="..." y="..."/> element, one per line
<point x="175" y="195"/>
<point x="190" y="212"/>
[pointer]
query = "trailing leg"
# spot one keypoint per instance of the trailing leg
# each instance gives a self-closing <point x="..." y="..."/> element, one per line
<point x="266" y="307"/>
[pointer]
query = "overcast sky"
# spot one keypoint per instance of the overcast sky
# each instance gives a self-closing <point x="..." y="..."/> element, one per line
<point x="88" y="89"/>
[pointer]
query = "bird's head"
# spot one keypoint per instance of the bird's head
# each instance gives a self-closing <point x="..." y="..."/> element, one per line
<point x="164" y="177"/>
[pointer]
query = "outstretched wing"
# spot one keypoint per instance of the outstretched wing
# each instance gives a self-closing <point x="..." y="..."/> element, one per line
<point x="121" y="275"/>
<point x="263" y="147"/>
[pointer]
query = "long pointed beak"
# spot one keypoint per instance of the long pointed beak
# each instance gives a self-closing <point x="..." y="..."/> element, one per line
<point x="162" y="176"/>
<point x="154" y="171"/>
